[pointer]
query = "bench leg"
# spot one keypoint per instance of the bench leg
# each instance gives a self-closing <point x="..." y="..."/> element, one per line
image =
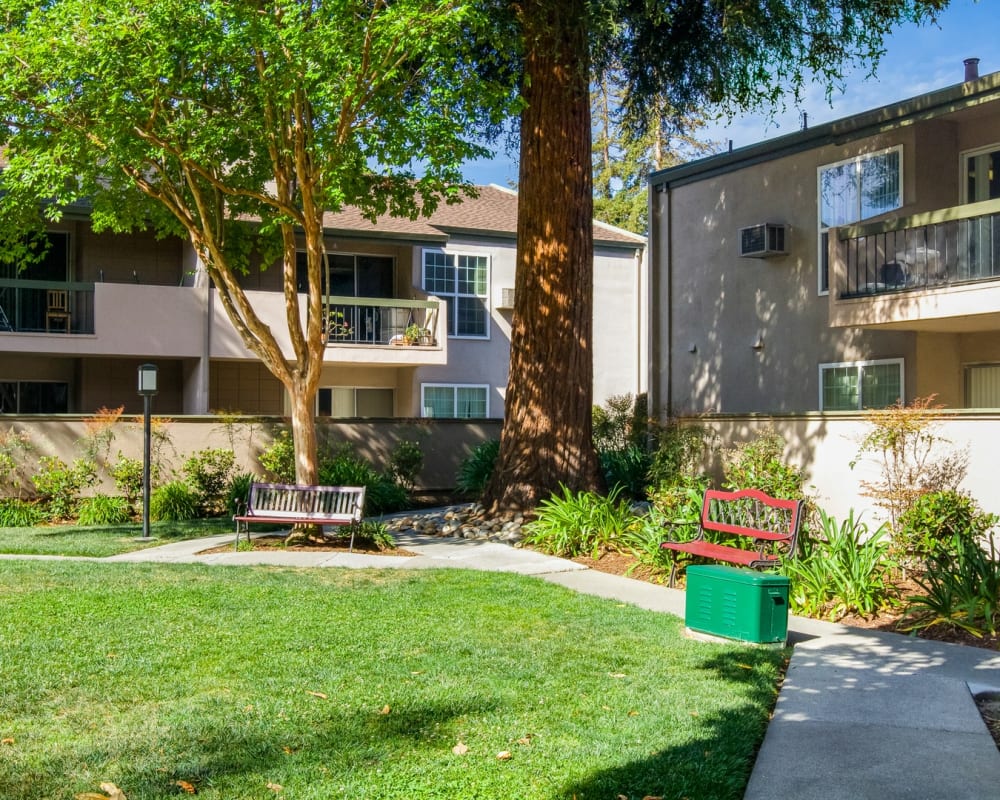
<point x="246" y="529"/>
<point x="673" y="573"/>
<point x="354" y="528"/>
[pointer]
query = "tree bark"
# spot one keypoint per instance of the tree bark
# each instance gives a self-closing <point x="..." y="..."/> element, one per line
<point x="546" y="439"/>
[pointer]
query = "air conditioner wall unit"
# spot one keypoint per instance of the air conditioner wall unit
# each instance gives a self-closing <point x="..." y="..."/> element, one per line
<point x="763" y="241"/>
<point x="506" y="298"/>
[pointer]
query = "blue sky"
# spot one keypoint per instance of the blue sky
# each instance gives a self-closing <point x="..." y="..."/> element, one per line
<point x="917" y="60"/>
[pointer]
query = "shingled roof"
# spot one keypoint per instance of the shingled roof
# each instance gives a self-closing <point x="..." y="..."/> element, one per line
<point x="493" y="213"/>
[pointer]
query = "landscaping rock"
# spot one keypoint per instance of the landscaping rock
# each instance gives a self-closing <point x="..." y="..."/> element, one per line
<point x="467" y="522"/>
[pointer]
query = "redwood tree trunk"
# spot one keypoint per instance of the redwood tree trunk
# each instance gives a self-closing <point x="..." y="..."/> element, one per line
<point x="546" y="439"/>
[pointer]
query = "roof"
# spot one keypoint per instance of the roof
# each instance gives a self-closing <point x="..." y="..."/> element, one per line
<point x="858" y="126"/>
<point x="492" y="214"/>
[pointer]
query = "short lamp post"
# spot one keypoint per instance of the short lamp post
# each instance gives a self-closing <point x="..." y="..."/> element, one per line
<point x="147" y="388"/>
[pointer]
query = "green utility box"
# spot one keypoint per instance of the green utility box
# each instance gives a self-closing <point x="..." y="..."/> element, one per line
<point x="737" y="604"/>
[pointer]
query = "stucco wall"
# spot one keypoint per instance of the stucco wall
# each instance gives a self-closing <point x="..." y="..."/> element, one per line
<point x="444" y="443"/>
<point x="710" y="305"/>
<point x="824" y="445"/>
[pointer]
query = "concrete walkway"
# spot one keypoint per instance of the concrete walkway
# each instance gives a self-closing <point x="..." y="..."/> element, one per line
<point x="861" y="714"/>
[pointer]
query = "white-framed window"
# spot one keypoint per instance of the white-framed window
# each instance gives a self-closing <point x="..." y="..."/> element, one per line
<point x="463" y="281"/>
<point x="856" y="385"/>
<point x="345" y="402"/>
<point x="856" y="189"/>
<point x="454" y="401"/>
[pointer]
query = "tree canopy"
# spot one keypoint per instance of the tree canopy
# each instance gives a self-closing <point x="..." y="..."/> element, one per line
<point x="237" y="125"/>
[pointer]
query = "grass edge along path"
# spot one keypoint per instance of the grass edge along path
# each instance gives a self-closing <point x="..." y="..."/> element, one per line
<point x="102" y="541"/>
<point x="308" y="684"/>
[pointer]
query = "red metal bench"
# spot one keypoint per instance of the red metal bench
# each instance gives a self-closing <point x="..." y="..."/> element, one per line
<point x="301" y="505"/>
<point x="771" y="524"/>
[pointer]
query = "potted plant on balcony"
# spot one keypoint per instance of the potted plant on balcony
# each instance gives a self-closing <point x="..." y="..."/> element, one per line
<point x="337" y="326"/>
<point x="412" y="333"/>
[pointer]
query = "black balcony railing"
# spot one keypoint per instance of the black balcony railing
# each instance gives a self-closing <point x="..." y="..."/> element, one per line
<point x="28" y="306"/>
<point x="366" y="320"/>
<point x="933" y="250"/>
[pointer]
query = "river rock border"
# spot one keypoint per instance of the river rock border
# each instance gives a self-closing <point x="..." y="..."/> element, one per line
<point x="469" y="521"/>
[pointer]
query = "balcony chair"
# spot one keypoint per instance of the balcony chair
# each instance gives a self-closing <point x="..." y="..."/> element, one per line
<point x="57" y="309"/>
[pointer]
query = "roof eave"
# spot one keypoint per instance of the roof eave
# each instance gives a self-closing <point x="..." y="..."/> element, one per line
<point x="857" y="126"/>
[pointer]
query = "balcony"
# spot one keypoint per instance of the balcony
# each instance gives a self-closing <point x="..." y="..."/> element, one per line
<point x="934" y="271"/>
<point x="361" y="330"/>
<point x="28" y="306"/>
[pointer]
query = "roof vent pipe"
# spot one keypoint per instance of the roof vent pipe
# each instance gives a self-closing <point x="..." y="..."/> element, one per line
<point x="971" y="69"/>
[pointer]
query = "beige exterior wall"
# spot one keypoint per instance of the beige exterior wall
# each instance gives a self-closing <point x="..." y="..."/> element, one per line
<point x="710" y="305"/>
<point x="824" y="445"/>
<point x="444" y="443"/>
<point x="151" y="302"/>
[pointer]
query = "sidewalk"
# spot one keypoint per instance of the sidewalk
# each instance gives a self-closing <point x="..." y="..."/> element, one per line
<point x="862" y="715"/>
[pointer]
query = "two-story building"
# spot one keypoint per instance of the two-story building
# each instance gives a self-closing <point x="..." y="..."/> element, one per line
<point x="841" y="267"/>
<point x="75" y="327"/>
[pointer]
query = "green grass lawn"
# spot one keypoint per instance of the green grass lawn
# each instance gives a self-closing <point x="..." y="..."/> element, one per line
<point x="314" y="684"/>
<point x="99" y="541"/>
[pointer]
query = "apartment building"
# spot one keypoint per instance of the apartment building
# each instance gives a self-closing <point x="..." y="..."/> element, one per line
<point x="75" y="327"/>
<point x="840" y="267"/>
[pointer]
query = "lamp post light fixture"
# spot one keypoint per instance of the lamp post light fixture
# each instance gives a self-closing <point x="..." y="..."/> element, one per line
<point x="147" y="388"/>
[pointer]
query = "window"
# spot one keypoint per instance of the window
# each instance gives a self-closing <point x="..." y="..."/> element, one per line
<point x="346" y="402"/>
<point x="350" y="276"/>
<point x="982" y="386"/>
<point x="859" y="385"/>
<point x="854" y="190"/>
<point x="462" y="280"/>
<point x="444" y="401"/>
<point x="34" y="397"/>
<point x="981" y="173"/>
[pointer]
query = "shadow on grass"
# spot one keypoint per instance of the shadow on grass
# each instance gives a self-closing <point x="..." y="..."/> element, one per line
<point x="716" y="763"/>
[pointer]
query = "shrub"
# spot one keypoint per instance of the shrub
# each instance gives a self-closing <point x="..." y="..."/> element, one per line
<point x="573" y="524"/>
<point x="104" y="510"/>
<point x="759" y="464"/>
<point x="962" y="587"/>
<point x="208" y="473"/>
<point x="476" y="470"/>
<point x="127" y="475"/>
<point x="173" y="502"/>
<point x="679" y="453"/>
<point x="935" y="522"/>
<point x="14" y="447"/>
<point x="278" y="459"/>
<point x="904" y="443"/>
<point x="17" y="513"/>
<point x="374" y="532"/>
<point x="621" y="423"/>
<point x="344" y="468"/>
<point x="843" y="569"/>
<point x="238" y="491"/>
<point x="626" y="470"/>
<point x="405" y="464"/>
<point x="100" y="433"/>
<point x="59" y="485"/>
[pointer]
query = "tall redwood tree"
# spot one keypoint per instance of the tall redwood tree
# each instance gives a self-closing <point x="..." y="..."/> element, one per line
<point x="733" y="54"/>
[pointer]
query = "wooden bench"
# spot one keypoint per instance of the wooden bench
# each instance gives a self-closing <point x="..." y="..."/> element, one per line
<point x="301" y="505"/>
<point x="771" y="527"/>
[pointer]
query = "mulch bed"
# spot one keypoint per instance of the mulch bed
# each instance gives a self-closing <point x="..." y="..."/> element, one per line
<point x="338" y="545"/>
